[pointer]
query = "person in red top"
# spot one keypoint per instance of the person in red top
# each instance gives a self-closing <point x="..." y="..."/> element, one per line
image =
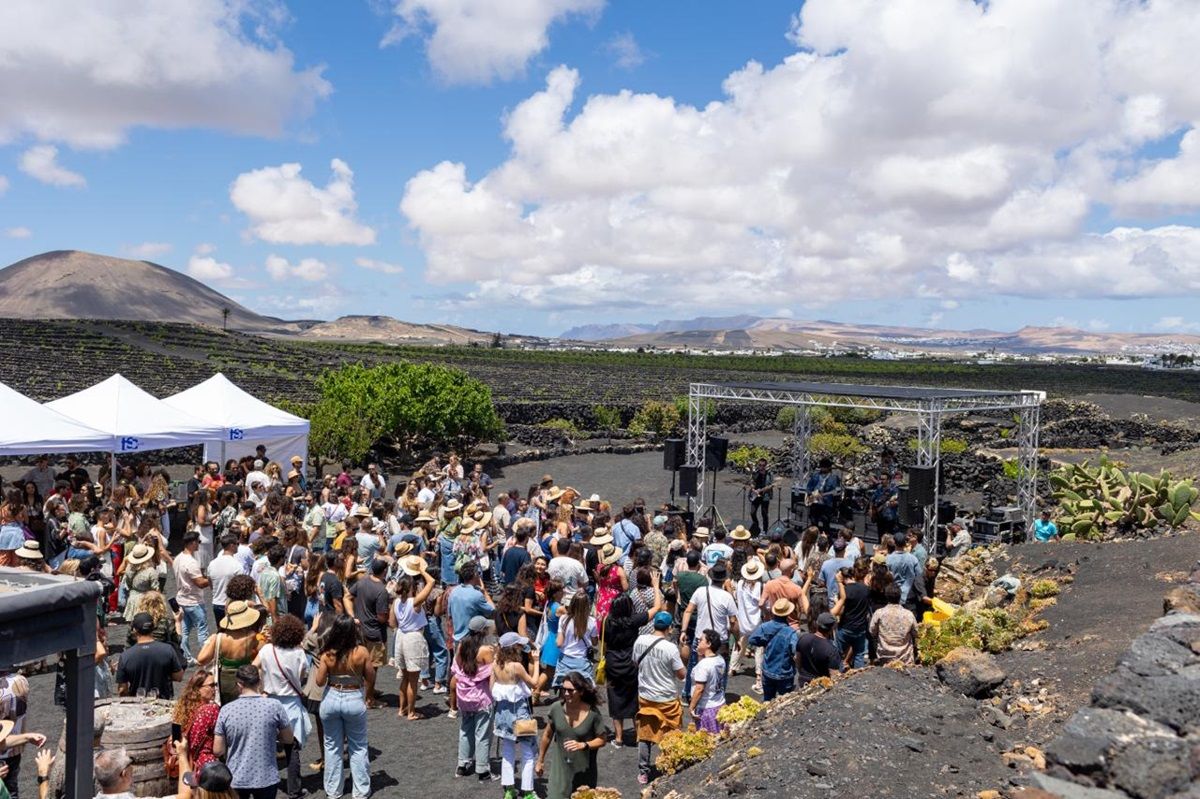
<point x="784" y="587"/>
<point x="196" y="714"/>
<point x="213" y="479"/>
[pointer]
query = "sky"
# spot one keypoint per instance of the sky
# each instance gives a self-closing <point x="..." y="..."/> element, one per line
<point x="532" y="165"/>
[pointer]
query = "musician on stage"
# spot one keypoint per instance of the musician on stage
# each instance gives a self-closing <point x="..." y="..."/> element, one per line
<point x="885" y="502"/>
<point x="824" y="490"/>
<point x="762" y="483"/>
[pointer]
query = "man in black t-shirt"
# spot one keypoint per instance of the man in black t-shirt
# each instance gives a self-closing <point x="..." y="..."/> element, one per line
<point x="852" y="638"/>
<point x="372" y="604"/>
<point x="74" y="474"/>
<point x="332" y="591"/>
<point x="149" y="665"/>
<point x="816" y="655"/>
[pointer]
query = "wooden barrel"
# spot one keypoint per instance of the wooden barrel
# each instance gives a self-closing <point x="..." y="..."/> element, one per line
<point x="140" y="725"/>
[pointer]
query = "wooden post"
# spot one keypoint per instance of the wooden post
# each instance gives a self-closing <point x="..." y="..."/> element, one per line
<point x="81" y="693"/>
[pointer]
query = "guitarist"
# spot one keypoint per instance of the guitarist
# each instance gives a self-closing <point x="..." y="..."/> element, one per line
<point x="762" y="483"/>
<point x="824" y="488"/>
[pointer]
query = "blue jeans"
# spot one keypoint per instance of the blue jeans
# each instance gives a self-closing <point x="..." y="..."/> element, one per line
<point x="344" y="719"/>
<point x="693" y="658"/>
<point x="439" y="655"/>
<point x="856" y="642"/>
<point x="194" y="618"/>
<point x="775" y="686"/>
<point x="475" y="739"/>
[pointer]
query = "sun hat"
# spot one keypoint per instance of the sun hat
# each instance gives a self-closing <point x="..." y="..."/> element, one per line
<point x="610" y="554"/>
<point x="293" y="475"/>
<point x="424" y="516"/>
<point x="297" y="459"/>
<point x="214" y="776"/>
<point x="482" y="518"/>
<point x="662" y="620"/>
<point x="659" y="520"/>
<point x="701" y="532"/>
<point x="584" y="504"/>
<point x="30" y="550"/>
<point x="468" y="527"/>
<point x="239" y="615"/>
<point x="476" y="505"/>
<point x="478" y="624"/>
<point x="142" y="623"/>
<point x="452" y="506"/>
<point x="879" y="558"/>
<point x="361" y="510"/>
<point x="140" y="554"/>
<point x="740" y="533"/>
<point x="546" y="479"/>
<point x="513" y="639"/>
<point x="554" y="493"/>
<point x="402" y="548"/>
<point x="412" y="565"/>
<point x="601" y="536"/>
<point x="783" y="607"/>
<point x="753" y="570"/>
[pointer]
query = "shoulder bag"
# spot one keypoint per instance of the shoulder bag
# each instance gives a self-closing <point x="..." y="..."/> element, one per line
<point x="601" y="665"/>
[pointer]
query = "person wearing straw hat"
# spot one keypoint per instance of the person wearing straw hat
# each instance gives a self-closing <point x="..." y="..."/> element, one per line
<point x="778" y="641"/>
<point x="747" y="596"/>
<point x="29" y="557"/>
<point x="447" y="535"/>
<point x="611" y="579"/>
<point x="235" y="646"/>
<point x="408" y="619"/>
<point x="140" y="577"/>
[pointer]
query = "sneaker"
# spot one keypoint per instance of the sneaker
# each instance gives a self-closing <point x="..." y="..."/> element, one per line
<point x="510" y="792"/>
<point x="464" y="771"/>
<point x="756" y="688"/>
<point x="452" y="714"/>
<point x="426" y="685"/>
<point x="439" y="689"/>
<point x="616" y="743"/>
<point x="488" y="776"/>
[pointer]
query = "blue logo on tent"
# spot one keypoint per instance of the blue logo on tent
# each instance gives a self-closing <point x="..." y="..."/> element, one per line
<point x="236" y="434"/>
<point x="128" y="444"/>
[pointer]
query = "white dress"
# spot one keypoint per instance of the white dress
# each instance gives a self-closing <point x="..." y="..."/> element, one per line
<point x="747" y="597"/>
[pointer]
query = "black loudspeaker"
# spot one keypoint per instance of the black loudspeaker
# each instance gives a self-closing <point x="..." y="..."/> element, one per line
<point x="920" y="484"/>
<point x="946" y="512"/>
<point x="687" y="481"/>
<point x="715" y="452"/>
<point x="909" y="512"/>
<point x="674" y="453"/>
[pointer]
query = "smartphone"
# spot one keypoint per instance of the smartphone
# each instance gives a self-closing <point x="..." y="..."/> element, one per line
<point x="176" y="732"/>
<point x="174" y="603"/>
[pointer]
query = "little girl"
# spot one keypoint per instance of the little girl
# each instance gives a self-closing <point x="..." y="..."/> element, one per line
<point x="511" y="689"/>
<point x="470" y="683"/>
<point x="708" y="683"/>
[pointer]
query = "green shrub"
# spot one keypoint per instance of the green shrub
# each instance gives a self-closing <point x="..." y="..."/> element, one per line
<point x="821" y="419"/>
<point x="657" y="418"/>
<point x="683" y="748"/>
<point x="744" y="457"/>
<point x="856" y="416"/>
<point x="565" y="426"/>
<point x="1044" y="589"/>
<point x="1012" y="470"/>
<point x="607" y="419"/>
<point x="992" y="630"/>
<point x="835" y="445"/>
<point x="949" y="446"/>
<point x="681" y="406"/>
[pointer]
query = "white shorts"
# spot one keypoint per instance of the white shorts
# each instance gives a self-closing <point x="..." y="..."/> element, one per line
<point x="412" y="653"/>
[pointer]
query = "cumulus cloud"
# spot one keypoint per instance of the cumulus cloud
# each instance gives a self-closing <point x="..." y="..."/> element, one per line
<point x="41" y="163"/>
<point x="625" y="51"/>
<point x="307" y="269"/>
<point x="379" y="266"/>
<point x="1166" y="184"/>
<point x="478" y="41"/>
<point x="20" y="232"/>
<point x="207" y="269"/>
<point x="153" y="249"/>
<point x="1176" y="324"/>
<point x="934" y="148"/>
<point x="285" y="208"/>
<point x="86" y="73"/>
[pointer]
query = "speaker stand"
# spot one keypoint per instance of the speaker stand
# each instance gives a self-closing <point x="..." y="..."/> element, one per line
<point x="712" y="505"/>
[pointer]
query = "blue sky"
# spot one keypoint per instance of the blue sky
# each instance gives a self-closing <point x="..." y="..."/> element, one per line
<point x="587" y="161"/>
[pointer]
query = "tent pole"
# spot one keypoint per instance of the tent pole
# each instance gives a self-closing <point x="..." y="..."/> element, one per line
<point x="112" y="483"/>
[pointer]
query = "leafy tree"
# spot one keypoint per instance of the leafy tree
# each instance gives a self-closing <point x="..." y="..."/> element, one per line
<point x="608" y="419"/>
<point x="681" y="405"/>
<point x="657" y="418"/>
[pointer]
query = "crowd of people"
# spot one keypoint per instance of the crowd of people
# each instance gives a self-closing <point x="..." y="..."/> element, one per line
<point x="620" y="622"/>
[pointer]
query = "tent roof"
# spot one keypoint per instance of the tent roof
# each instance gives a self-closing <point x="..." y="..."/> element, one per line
<point x="136" y="420"/>
<point x="220" y="401"/>
<point x="29" y="428"/>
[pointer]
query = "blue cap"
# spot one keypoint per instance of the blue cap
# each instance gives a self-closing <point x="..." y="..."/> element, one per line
<point x="662" y="620"/>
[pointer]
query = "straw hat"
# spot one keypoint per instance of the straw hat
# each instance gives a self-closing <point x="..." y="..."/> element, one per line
<point x="476" y="505"/>
<point x="482" y="518"/>
<point x="239" y="616"/>
<point x="413" y="565"/>
<point x="610" y="554"/>
<point x="468" y="527"/>
<point x="753" y="570"/>
<point x="425" y="516"/>
<point x="361" y="510"/>
<point x="553" y="494"/>
<point x="584" y="504"/>
<point x="453" y="506"/>
<point x="546" y="480"/>
<point x="783" y="607"/>
<point x="701" y="532"/>
<point x="296" y="459"/>
<point x="740" y="533"/>
<point x="601" y="536"/>
<point x="140" y="554"/>
<point x="293" y="475"/>
<point x="403" y="548"/>
<point x="30" y="550"/>
<point x="879" y="558"/>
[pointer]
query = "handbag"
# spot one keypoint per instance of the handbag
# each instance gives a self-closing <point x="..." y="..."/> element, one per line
<point x="170" y="759"/>
<point x="601" y="665"/>
<point x="524" y="728"/>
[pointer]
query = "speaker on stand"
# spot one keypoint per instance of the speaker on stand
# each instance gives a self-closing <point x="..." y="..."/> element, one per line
<point x="687" y="481"/>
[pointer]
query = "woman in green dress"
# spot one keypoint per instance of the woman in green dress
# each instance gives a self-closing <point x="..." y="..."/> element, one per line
<point x="574" y="733"/>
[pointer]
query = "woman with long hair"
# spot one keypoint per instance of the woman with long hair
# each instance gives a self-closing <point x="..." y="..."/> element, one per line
<point x="510" y="611"/>
<point x="512" y="685"/>
<point x="140" y="577"/>
<point x="234" y="646"/>
<point x="284" y="669"/>
<point x="470" y="681"/>
<point x="200" y="520"/>
<point x="574" y="733"/>
<point x="576" y="634"/>
<point x="312" y="587"/>
<point x="611" y="579"/>
<point x="196" y="714"/>
<point x="409" y="620"/>
<point x="747" y="596"/>
<point x="548" y="635"/>
<point x="167" y="625"/>
<point x="345" y="668"/>
<point x="533" y="595"/>
<point x="621" y="629"/>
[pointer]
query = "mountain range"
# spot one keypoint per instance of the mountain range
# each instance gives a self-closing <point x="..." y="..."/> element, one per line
<point x="70" y="284"/>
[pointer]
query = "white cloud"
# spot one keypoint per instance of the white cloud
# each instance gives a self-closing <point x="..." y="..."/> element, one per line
<point x="626" y="52"/>
<point x="933" y="147"/>
<point x="379" y="266"/>
<point x="477" y="41"/>
<point x="18" y="232"/>
<point x="86" y="73"/>
<point x="205" y="248"/>
<point x="1176" y="324"/>
<point x="154" y="249"/>
<point x="1171" y="183"/>
<point x="40" y="162"/>
<point x="207" y="269"/>
<point x="284" y="208"/>
<point x="308" y="269"/>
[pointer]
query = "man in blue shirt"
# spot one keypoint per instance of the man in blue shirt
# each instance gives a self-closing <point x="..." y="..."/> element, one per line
<point x="825" y="488"/>
<point x="831" y="567"/>
<point x="778" y="640"/>
<point x="904" y="567"/>
<point x="468" y="599"/>
<point x="625" y="532"/>
<point x="1044" y="529"/>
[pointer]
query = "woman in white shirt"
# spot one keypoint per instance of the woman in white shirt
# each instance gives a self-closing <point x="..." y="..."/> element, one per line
<point x="746" y="597"/>
<point x="408" y="619"/>
<point x="576" y="634"/>
<point x="284" y="669"/>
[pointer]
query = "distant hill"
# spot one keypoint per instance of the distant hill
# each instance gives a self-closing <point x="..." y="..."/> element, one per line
<point x="608" y="332"/>
<point x="387" y="329"/>
<point x="69" y="284"/>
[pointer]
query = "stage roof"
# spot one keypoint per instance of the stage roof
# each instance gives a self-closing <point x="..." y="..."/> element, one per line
<point x="908" y="398"/>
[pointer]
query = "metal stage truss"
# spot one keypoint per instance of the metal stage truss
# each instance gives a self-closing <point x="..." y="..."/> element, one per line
<point x="928" y="404"/>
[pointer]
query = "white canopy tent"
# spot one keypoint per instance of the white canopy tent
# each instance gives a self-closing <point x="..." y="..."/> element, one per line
<point x="134" y="420"/>
<point x="245" y="420"/>
<point x="29" y="428"/>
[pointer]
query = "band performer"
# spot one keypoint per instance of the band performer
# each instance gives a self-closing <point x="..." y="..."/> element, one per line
<point x="762" y="484"/>
<point x="824" y="489"/>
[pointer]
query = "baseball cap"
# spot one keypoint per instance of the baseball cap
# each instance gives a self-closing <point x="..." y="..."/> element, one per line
<point x="213" y="776"/>
<point x="478" y="624"/>
<point x="662" y="620"/>
<point x="143" y="623"/>
<point x="826" y="621"/>
<point x="513" y="639"/>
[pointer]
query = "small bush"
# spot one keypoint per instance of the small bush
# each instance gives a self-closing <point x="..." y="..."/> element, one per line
<point x="607" y="419"/>
<point x="949" y="446"/>
<point x="822" y="419"/>
<point x="681" y="405"/>
<point x="744" y="457"/>
<point x="992" y="630"/>
<point x="1044" y="589"/>
<point x="565" y="426"/>
<point x="856" y="416"/>
<point x="744" y="709"/>
<point x="658" y="418"/>
<point x="835" y="445"/>
<point x="683" y="748"/>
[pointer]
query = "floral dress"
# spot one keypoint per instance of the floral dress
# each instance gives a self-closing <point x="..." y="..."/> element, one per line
<point x="608" y="589"/>
<point x="200" y="735"/>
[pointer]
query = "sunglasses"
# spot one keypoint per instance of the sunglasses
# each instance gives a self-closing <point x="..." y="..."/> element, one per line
<point x="566" y="690"/>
